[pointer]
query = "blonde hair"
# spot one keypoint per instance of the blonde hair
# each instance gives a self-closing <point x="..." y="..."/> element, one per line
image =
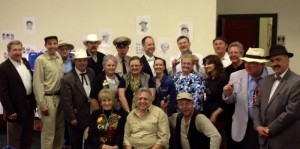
<point x="189" y="56"/>
<point x="106" y="94"/>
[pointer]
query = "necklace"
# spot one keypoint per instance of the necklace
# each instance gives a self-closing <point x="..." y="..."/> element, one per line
<point x="107" y="119"/>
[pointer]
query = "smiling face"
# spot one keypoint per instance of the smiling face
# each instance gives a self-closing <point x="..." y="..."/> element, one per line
<point x="109" y="67"/>
<point x="186" y="107"/>
<point x="135" y="67"/>
<point x="144" y="101"/>
<point x="235" y="54"/>
<point x="64" y="52"/>
<point x="149" y="46"/>
<point x="159" y="66"/>
<point x="51" y="46"/>
<point x="107" y="103"/>
<point x="15" y="52"/>
<point x="187" y="65"/>
<point x="183" y="45"/>
<point x="209" y="67"/>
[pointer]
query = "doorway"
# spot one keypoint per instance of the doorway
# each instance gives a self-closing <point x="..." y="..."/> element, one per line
<point x="252" y="30"/>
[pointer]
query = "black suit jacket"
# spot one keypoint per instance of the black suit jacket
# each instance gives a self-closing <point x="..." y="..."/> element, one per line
<point x="146" y="67"/>
<point x="13" y="93"/>
<point x="74" y="99"/>
<point x="96" y="66"/>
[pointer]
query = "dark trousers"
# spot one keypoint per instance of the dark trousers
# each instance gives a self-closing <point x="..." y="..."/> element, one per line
<point x="19" y="135"/>
<point x="250" y="140"/>
<point x="75" y="136"/>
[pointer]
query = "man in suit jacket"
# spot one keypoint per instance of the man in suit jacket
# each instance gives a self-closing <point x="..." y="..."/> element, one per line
<point x="240" y="90"/>
<point x="75" y="90"/>
<point x="277" y="112"/>
<point x="148" y="57"/>
<point x="17" y="97"/>
<point x="92" y="43"/>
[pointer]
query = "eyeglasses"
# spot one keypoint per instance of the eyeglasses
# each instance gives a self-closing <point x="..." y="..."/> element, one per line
<point x="132" y="66"/>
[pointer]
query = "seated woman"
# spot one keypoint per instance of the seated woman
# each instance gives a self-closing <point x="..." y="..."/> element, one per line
<point x="189" y="81"/>
<point x="134" y="80"/>
<point x="106" y="79"/>
<point x="105" y="125"/>
<point x="165" y="89"/>
<point x="147" y="126"/>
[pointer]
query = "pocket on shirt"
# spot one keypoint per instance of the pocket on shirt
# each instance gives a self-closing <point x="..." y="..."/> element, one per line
<point x="151" y="125"/>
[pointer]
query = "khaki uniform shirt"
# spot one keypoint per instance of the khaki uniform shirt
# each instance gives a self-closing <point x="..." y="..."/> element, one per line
<point x="203" y="125"/>
<point x="119" y="69"/>
<point x="48" y="72"/>
<point x="144" y="132"/>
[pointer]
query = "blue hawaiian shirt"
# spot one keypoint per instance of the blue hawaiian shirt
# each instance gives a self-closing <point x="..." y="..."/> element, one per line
<point x="193" y="84"/>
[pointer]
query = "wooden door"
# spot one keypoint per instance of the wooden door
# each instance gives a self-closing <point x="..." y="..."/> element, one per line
<point x="244" y="30"/>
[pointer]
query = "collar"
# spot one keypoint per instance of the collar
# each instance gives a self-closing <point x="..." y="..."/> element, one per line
<point x="149" y="58"/>
<point x="68" y="60"/>
<point x="15" y="63"/>
<point x="49" y="57"/>
<point x="282" y="75"/>
<point x="79" y="72"/>
<point x="263" y="74"/>
<point x="225" y="57"/>
<point x="91" y="53"/>
<point x="150" y="109"/>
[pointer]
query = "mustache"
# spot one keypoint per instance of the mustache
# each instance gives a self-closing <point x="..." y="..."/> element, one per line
<point x="94" y="47"/>
<point x="275" y="66"/>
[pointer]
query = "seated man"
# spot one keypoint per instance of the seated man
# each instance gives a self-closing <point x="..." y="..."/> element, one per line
<point x="147" y="125"/>
<point x="192" y="130"/>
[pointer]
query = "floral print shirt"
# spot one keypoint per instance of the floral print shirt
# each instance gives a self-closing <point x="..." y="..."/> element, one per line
<point x="193" y="84"/>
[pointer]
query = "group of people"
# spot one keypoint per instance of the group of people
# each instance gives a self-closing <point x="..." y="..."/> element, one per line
<point x="227" y="100"/>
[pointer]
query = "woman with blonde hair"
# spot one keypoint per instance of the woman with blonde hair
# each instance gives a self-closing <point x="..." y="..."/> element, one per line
<point x="106" y="126"/>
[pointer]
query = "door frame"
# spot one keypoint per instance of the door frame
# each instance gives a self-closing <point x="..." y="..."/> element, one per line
<point x="274" y="17"/>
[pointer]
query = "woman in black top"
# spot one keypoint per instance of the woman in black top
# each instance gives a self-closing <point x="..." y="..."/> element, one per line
<point x="106" y="126"/>
<point x="214" y="106"/>
<point x="106" y="79"/>
<point x="216" y="80"/>
<point x="132" y="81"/>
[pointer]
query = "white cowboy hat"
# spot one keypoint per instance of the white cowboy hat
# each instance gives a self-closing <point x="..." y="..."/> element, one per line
<point x="91" y="38"/>
<point x="80" y="53"/>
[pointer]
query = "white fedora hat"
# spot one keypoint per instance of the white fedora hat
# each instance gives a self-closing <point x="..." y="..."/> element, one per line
<point x="255" y="55"/>
<point x="80" y="53"/>
<point x="91" y="38"/>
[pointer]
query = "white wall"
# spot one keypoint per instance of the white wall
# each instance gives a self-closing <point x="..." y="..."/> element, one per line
<point x="72" y="19"/>
<point x="288" y="19"/>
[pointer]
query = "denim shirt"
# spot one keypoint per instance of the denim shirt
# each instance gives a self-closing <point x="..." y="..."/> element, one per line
<point x="193" y="84"/>
<point x="166" y="88"/>
<point x="251" y="89"/>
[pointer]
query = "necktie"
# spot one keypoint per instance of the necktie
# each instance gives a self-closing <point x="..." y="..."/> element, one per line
<point x="124" y="66"/>
<point x="278" y="78"/>
<point x="83" y="78"/>
<point x="151" y="59"/>
<point x="255" y="93"/>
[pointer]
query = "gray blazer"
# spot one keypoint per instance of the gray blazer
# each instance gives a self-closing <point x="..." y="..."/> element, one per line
<point x="282" y="114"/>
<point x="240" y="116"/>
<point x="73" y="98"/>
